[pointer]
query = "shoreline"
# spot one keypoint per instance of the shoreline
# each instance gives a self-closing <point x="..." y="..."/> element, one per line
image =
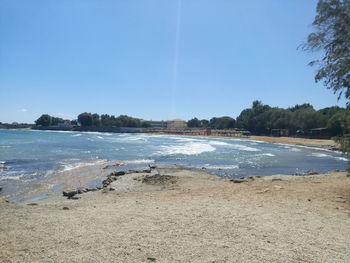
<point x="175" y="214"/>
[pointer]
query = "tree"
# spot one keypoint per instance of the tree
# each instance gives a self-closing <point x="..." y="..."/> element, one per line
<point x="44" y="120"/>
<point x="332" y="37"/>
<point x="222" y="123"/>
<point x="85" y="119"/>
<point x="96" y="119"/>
<point x="194" y="123"/>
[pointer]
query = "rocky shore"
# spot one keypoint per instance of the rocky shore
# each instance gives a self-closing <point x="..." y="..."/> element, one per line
<point x="174" y="214"/>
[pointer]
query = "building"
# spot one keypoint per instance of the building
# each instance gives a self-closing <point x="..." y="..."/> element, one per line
<point x="176" y="124"/>
<point x="158" y="124"/>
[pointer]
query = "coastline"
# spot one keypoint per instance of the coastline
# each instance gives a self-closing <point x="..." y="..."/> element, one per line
<point x="175" y="214"/>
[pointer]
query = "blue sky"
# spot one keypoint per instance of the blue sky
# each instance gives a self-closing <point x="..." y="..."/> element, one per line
<point x="154" y="59"/>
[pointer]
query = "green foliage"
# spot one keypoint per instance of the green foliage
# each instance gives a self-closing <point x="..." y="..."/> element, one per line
<point x="44" y="120"/>
<point x="85" y="119"/>
<point x="332" y="37"/>
<point x="261" y="119"/>
<point x="145" y="124"/>
<point x="222" y="123"/>
<point x="47" y="120"/>
<point x="194" y="123"/>
<point x="88" y="119"/>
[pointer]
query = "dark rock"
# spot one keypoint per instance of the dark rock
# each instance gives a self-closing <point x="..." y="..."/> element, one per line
<point x="99" y="187"/>
<point x="276" y="179"/>
<point x="32" y="204"/>
<point x="65" y="208"/>
<point x="0" y="189"/>
<point x="146" y="171"/>
<point x="111" y="189"/>
<point x="311" y="172"/>
<point x="152" y="259"/>
<point x="152" y="166"/>
<point x="70" y="193"/>
<point x="238" y="181"/>
<point x="74" y="198"/>
<point x="118" y="173"/>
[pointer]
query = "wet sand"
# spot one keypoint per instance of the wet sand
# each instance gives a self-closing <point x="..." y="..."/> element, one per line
<point x="175" y="214"/>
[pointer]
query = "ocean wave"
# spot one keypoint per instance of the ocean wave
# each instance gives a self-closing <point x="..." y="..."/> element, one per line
<point x="190" y="148"/>
<point x="66" y="166"/>
<point x="77" y="135"/>
<point x="218" y="143"/>
<point x="139" y="161"/>
<point x="321" y="155"/>
<point x="221" y="167"/>
<point x="242" y="147"/>
<point x="342" y="158"/>
<point x="100" y="137"/>
<point x="268" y="154"/>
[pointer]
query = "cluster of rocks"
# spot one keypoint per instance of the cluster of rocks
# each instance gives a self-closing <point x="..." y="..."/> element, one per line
<point x="243" y="179"/>
<point x="113" y="176"/>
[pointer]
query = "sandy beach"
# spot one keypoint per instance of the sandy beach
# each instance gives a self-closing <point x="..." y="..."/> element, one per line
<point x="174" y="214"/>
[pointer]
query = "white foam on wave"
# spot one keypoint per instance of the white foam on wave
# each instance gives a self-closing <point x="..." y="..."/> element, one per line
<point x="139" y="161"/>
<point x="218" y="143"/>
<point x="75" y="165"/>
<point x="268" y="154"/>
<point x="77" y="135"/>
<point x="321" y="155"/>
<point x="222" y="167"/>
<point x="342" y="158"/>
<point x="242" y="147"/>
<point x="187" y="139"/>
<point x="100" y="137"/>
<point x="190" y="148"/>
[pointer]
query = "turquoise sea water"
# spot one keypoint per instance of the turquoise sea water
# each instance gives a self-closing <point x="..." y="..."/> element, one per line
<point x="27" y="155"/>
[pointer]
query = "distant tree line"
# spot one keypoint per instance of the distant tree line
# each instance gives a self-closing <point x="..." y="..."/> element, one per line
<point x="47" y="120"/>
<point x="261" y="119"/>
<point x="87" y="119"/>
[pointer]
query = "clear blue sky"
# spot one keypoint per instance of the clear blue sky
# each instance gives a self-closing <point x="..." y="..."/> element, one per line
<point x="154" y="59"/>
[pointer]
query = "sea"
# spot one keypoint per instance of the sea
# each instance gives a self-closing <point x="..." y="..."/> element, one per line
<point x="38" y="164"/>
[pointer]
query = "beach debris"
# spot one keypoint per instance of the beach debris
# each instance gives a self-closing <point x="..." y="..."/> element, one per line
<point x="113" y="165"/>
<point x="0" y="188"/>
<point x="309" y="199"/>
<point x="238" y="181"/>
<point x="276" y="179"/>
<point x="263" y="191"/>
<point x="65" y="208"/>
<point x="152" y="166"/>
<point x="340" y="199"/>
<point x="32" y="204"/>
<point x="159" y="179"/>
<point x="312" y="172"/>
<point x="70" y="193"/>
<point x="111" y="189"/>
<point x="151" y="259"/>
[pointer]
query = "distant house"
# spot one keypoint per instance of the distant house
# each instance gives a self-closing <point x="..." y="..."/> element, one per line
<point x="157" y="124"/>
<point x="279" y="132"/>
<point x="65" y="124"/>
<point x="176" y="124"/>
<point x="320" y="133"/>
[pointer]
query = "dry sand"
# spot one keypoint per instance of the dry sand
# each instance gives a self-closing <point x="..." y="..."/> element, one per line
<point x="179" y="215"/>
<point x="327" y="144"/>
